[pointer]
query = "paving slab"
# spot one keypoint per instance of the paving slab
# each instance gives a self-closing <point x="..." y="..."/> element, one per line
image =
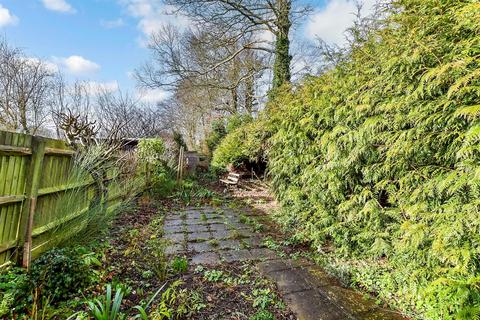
<point x="175" y="237"/>
<point x="220" y="234"/>
<point x="308" y="305"/>
<point x="348" y="300"/>
<point x="194" y="215"/>
<point x="174" y="222"/>
<point x="200" y="247"/>
<point x="173" y="228"/>
<point x="229" y="244"/>
<point x="263" y="254"/>
<point x="189" y="222"/>
<point x="199" y="236"/>
<point x="235" y="255"/>
<point x="272" y="266"/>
<point x="174" y="249"/>
<point x="289" y="281"/>
<point x="217" y="227"/>
<point x="206" y="258"/>
<point x="254" y="241"/>
<point x="196" y="228"/>
<point x="213" y="215"/>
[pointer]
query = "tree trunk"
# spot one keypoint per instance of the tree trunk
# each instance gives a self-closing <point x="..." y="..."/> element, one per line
<point x="23" y="115"/>
<point x="281" y="68"/>
<point x="234" y="93"/>
<point x="249" y="94"/>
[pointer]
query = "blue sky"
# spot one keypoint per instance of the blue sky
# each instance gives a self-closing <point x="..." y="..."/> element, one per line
<point x="103" y="40"/>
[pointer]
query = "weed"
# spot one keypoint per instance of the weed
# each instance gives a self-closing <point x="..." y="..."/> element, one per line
<point x="166" y="306"/>
<point x="214" y="242"/>
<point x="258" y="227"/>
<point x="148" y="274"/>
<point x="216" y="201"/>
<point x="263" y="298"/>
<point x="244" y="219"/>
<point x="156" y="258"/>
<point x="188" y="303"/>
<point x="179" y="265"/>
<point x="203" y="193"/>
<point x="244" y="244"/>
<point x="236" y="235"/>
<point x="213" y="275"/>
<point x="142" y="309"/>
<point x="156" y="224"/>
<point x="263" y="315"/>
<point x="105" y="308"/>
<point x="271" y="244"/>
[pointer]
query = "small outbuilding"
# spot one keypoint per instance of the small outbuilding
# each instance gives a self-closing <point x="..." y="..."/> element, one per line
<point x="195" y="162"/>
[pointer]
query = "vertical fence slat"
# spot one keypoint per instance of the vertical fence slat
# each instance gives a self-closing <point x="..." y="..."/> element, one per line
<point x="33" y="181"/>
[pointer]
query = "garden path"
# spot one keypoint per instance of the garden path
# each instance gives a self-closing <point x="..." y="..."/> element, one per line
<point x="213" y="236"/>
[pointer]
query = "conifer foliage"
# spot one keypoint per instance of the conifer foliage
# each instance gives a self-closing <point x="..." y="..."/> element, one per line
<point x="378" y="159"/>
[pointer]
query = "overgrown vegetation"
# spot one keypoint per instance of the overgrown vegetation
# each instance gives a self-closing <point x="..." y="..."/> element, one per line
<point x="376" y="161"/>
<point x="251" y="149"/>
<point x="54" y="278"/>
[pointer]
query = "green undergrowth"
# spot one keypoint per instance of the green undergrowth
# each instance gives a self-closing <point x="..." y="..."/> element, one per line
<point x="258" y="292"/>
<point x="47" y="289"/>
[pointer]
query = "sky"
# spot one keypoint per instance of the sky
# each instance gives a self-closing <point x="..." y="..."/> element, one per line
<point x="103" y="41"/>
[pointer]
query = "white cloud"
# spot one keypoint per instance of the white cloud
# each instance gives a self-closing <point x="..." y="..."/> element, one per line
<point x="111" y="24"/>
<point x="152" y="95"/>
<point x="153" y="14"/>
<point x="330" y="22"/>
<point x="58" y="5"/>
<point x="50" y="66"/>
<point x="78" y="65"/>
<point x="266" y="36"/>
<point x="6" y="17"/>
<point x="94" y="87"/>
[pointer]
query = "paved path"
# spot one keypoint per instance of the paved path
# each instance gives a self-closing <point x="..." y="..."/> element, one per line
<point x="213" y="236"/>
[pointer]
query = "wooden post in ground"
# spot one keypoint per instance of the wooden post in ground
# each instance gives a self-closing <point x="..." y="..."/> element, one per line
<point x="180" y="165"/>
<point x="34" y="174"/>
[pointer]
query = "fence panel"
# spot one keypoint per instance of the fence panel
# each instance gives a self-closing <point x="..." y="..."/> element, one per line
<point x="15" y="155"/>
<point x="43" y="197"/>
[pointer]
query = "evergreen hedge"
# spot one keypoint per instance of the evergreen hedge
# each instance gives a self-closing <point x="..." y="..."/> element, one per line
<point x="377" y="161"/>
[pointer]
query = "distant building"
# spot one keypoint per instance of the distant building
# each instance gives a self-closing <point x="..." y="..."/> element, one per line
<point x="195" y="161"/>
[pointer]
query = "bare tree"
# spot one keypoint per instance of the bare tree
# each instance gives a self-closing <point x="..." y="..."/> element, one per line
<point x="249" y="19"/>
<point x="178" y="57"/>
<point x="182" y="63"/>
<point x="116" y="115"/>
<point x="26" y="87"/>
<point x="74" y="98"/>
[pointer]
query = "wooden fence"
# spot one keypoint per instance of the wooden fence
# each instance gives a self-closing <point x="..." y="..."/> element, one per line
<point x="35" y="186"/>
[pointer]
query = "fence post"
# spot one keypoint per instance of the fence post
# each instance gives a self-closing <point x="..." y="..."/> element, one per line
<point x="34" y="174"/>
<point x="180" y="165"/>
